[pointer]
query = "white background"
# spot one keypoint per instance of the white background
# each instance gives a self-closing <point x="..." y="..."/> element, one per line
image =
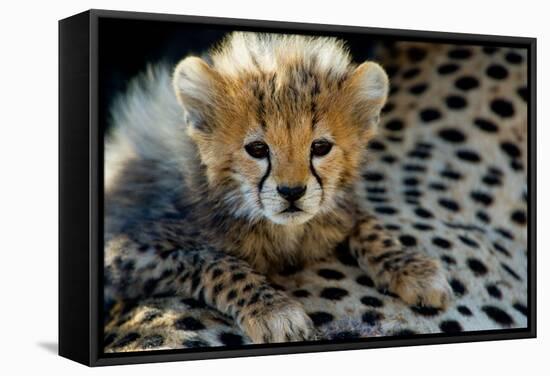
<point x="28" y="185"/>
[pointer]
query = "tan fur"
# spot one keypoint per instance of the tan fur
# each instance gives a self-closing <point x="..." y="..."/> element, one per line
<point x="287" y="103"/>
<point x="288" y="93"/>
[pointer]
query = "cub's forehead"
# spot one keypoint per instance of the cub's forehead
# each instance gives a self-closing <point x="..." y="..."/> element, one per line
<point x="261" y="53"/>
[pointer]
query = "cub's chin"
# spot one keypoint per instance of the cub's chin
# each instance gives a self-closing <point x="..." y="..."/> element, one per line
<point x="290" y="218"/>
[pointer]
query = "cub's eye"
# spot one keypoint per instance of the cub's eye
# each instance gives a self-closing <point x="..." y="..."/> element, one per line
<point x="321" y="147"/>
<point x="257" y="149"/>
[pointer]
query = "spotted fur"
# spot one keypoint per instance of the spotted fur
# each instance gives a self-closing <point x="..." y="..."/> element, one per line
<point x="158" y="250"/>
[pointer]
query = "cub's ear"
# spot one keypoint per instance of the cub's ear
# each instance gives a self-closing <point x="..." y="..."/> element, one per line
<point x="195" y="85"/>
<point x="369" y="87"/>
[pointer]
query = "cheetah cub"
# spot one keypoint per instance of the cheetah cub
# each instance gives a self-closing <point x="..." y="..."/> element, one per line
<point x="242" y="163"/>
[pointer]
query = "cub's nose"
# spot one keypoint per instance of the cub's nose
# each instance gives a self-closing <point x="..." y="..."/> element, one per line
<point x="291" y="193"/>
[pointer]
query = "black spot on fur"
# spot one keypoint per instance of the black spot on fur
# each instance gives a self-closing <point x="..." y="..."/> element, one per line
<point x="238" y="277"/>
<point x="333" y="293"/>
<point x="469" y="242"/>
<point x="394" y="138"/>
<point x="491" y="180"/>
<point x="519" y="217"/>
<point x="371" y="301"/>
<point x="513" y="58"/>
<point x="452" y="135"/>
<point x="410" y="73"/>
<point x="416" y="54"/>
<point x="482" y="216"/>
<point x="414" y="168"/>
<point x="373" y="176"/>
<point x="500" y="248"/>
<point x="450" y="174"/>
<point x="497" y="71"/>
<point x="507" y="234"/>
<point x="301" y="293"/>
<point x="489" y="50"/>
<point x="344" y="255"/>
<point x="465" y="311"/>
<point x="455" y="102"/>
<point x="231" y="295"/>
<point x="388" y="108"/>
<point x="425" y="310"/>
<point x="498" y="315"/>
<point x="523" y="93"/>
<point x="477" y="267"/>
<point x="510" y="271"/>
<point x="418" y="89"/>
<point x="407" y="240"/>
<point x="516" y="165"/>
<point x="189" y="323"/>
<point x="392" y="227"/>
<point x="449" y="204"/>
<point x="447" y="68"/>
<point x="430" y="114"/>
<point x="441" y="242"/>
<point x="424" y="145"/>
<point x="394" y="125"/>
<point x="372" y="317"/>
<point x="320" y="318"/>
<point x="390" y="159"/>
<point x="419" y="154"/>
<point x="412" y="193"/>
<point x="510" y="149"/>
<point x="376" y="190"/>
<point x="482" y="198"/>
<point x="385" y="210"/>
<point x="458" y="287"/>
<point x="468" y="155"/>
<point x="521" y="308"/>
<point x="423" y="213"/>
<point x="459" y="53"/>
<point x="423" y="227"/>
<point x="450" y="326"/>
<point x="448" y="260"/>
<point x="494" y="291"/>
<point x="376" y="145"/>
<point x="217" y="289"/>
<point x="502" y="107"/>
<point x="486" y="125"/>
<point x="466" y="83"/>
<point x="411" y="181"/>
<point x="231" y="339"/>
<point x="331" y="274"/>
<point x="365" y="280"/>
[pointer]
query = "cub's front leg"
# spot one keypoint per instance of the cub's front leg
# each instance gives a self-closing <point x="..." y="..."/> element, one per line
<point x="264" y="313"/>
<point x="415" y="277"/>
<point x="224" y="282"/>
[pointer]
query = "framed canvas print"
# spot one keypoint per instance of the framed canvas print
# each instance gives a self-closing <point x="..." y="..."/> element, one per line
<point x="238" y="187"/>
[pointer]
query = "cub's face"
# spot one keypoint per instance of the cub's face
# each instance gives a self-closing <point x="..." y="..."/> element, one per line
<point x="282" y="145"/>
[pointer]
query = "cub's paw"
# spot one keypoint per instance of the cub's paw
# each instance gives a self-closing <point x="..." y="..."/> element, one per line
<point x="278" y="319"/>
<point x="420" y="280"/>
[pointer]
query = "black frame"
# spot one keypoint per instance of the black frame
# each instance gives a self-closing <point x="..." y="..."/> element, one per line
<point x="81" y="194"/>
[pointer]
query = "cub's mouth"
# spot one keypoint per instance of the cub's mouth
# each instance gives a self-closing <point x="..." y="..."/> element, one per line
<point x="291" y="209"/>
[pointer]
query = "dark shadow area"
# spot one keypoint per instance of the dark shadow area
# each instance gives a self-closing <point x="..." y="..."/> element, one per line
<point x="126" y="47"/>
